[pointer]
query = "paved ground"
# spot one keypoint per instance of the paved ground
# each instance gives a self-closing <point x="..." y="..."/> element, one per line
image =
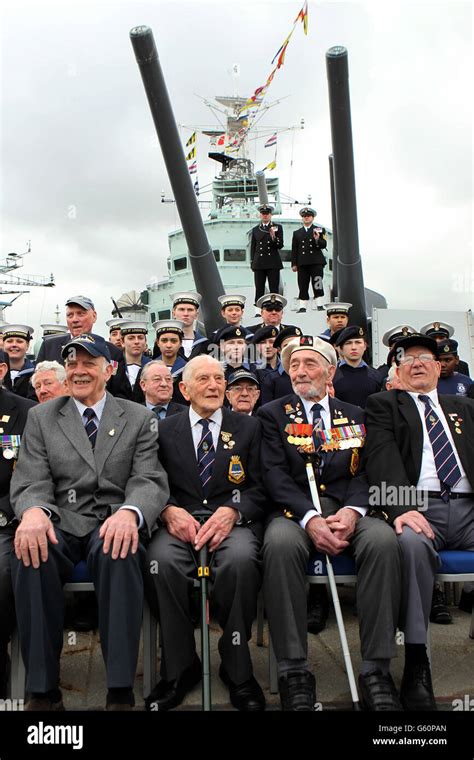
<point x="83" y="676"/>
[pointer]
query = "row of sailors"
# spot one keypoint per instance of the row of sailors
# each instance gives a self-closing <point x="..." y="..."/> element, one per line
<point x="256" y="349"/>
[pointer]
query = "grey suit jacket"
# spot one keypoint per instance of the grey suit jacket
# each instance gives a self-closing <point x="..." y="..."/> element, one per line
<point x="58" y="469"/>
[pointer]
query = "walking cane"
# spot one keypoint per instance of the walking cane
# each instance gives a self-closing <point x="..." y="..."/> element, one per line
<point x="203" y="576"/>
<point x="312" y="457"/>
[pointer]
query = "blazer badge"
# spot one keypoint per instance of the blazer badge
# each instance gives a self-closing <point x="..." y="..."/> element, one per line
<point x="236" y="470"/>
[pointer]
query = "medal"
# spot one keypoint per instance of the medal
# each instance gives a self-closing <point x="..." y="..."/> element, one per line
<point x="8" y="454"/>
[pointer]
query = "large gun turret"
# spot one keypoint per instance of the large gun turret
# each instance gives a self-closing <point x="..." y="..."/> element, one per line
<point x="206" y="275"/>
<point x="350" y="280"/>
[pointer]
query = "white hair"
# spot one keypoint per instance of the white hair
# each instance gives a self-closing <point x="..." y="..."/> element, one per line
<point x="47" y="366"/>
<point x="190" y="368"/>
<point x="150" y="365"/>
<point x="391" y="374"/>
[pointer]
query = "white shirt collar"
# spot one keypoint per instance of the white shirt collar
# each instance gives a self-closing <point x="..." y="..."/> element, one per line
<point x="194" y="417"/>
<point x="433" y="395"/>
<point x="309" y="403"/>
<point x="98" y="407"/>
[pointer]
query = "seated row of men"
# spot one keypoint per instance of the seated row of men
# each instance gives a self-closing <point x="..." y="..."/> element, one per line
<point x="102" y="478"/>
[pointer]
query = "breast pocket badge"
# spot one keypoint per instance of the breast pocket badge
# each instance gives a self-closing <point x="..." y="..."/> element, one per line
<point x="236" y="470"/>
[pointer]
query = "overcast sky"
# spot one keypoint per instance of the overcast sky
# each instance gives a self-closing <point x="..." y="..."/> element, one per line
<point x="82" y="172"/>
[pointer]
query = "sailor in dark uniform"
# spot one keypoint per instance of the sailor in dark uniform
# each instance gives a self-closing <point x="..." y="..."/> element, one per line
<point x="441" y="331"/>
<point x="169" y="341"/>
<point x="354" y="380"/>
<point x="389" y="339"/>
<point x="337" y="317"/>
<point x="16" y="340"/>
<point x="13" y="412"/>
<point x="233" y="350"/>
<point x="271" y="305"/>
<point x="134" y="336"/>
<point x="450" y="380"/>
<point x="277" y="383"/>
<point x="308" y="260"/>
<point x="265" y="260"/>
<point x="186" y="310"/>
<point x="115" y="336"/>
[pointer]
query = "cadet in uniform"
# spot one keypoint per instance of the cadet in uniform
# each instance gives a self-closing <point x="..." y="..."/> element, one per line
<point x="450" y="380"/>
<point x="115" y="336"/>
<point x="308" y="260"/>
<point x="265" y="259"/>
<point x="232" y="343"/>
<point x="169" y="341"/>
<point x="134" y="347"/>
<point x="337" y="317"/>
<point x="186" y="310"/>
<point x="354" y="380"/>
<point x="441" y="331"/>
<point x="277" y="383"/>
<point x="16" y="340"/>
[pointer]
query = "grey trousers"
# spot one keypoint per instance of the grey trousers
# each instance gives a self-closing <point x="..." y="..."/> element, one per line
<point x="453" y="526"/>
<point x="235" y="583"/>
<point x="286" y="552"/>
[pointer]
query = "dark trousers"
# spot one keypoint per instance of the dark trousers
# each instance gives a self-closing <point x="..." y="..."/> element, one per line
<point x="310" y="273"/>
<point x="235" y="582"/>
<point x="286" y="552"/>
<point x="7" y="605"/>
<point x="260" y="275"/>
<point x="39" y="602"/>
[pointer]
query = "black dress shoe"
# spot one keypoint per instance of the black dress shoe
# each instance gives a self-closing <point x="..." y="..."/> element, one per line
<point x="378" y="692"/>
<point x="466" y="601"/>
<point x="318" y="608"/>
<point x="169" y="694"/>
<point x="297" y="691"/>
<point x="247" y="696"/>
<point x="439" y="612"/>
<point x="47" y="702"/>
<point x="301" y="311"/>
<point x="416" y="693"/>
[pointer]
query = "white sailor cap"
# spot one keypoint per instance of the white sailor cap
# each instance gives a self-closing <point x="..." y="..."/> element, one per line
<point x="188" y="297"/>
<point x="396" y="333"/>
<point x="308" y="343"/>
<point x="437" y="328"/>
<point x="53" y="329"/>
<point x="271" y="300"/>
<point x="116" y="323"/>
<point x="337" y="308"/>
<point x="17" y="331"/>
<point x="169" y="326"/>
<point x="233" y="299"/>
<point x="134" y="328"/>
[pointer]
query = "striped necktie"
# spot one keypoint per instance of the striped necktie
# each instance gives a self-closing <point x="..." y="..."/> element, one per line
<point x="91" y="426"/>
<point x="446" y="465"/>
<point x="206" y="456"/>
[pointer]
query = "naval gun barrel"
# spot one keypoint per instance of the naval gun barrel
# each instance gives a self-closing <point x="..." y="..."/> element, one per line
<point x="350" y="279"/>
<point x="261" y="187"/>
<point x="206" y="275"/>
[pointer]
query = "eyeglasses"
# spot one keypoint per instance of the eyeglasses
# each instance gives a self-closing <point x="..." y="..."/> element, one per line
<point x="424" y="358"/>
<point x="241" y="388"/>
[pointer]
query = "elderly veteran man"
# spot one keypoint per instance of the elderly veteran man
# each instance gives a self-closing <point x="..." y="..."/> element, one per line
<point x="157" y="385"/>
<point x="81" y="317"/>
<point x="243" y="391"/>
<point x="212" y="458"/>
<point x="88" y="485"/>
<point x="49" y="381"/>
<point x="13" y="413"/>
<point x="295" y="529"/>
<point x="419" y="440"/>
